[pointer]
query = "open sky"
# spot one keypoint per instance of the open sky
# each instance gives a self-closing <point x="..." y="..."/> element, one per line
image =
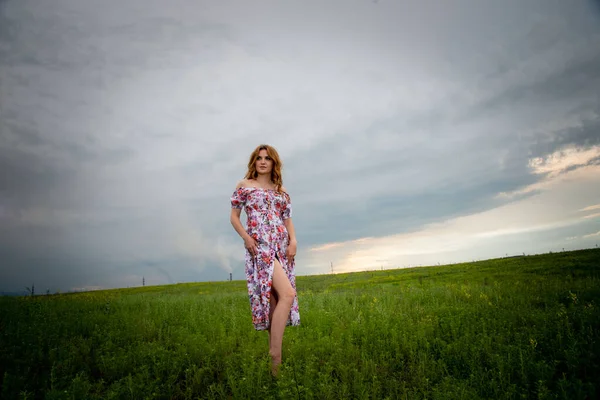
<point x="411" y="132"/>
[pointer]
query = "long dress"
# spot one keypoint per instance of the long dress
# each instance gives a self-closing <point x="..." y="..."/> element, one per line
<point x="266" y="210"/>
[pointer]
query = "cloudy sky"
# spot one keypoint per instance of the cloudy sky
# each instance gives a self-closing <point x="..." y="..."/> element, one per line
<point x="412" y="133"/>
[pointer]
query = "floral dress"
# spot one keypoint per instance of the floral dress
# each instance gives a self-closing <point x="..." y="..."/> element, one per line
<point x="266" y="210"/>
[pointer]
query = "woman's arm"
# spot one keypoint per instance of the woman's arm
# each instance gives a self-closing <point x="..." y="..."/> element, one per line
<point x="289" y="225"/>
<point x="290" y="228"/>
<point x="293" y="244"/>
<point x="235" y="220"/>
<point x="236" y="212"/>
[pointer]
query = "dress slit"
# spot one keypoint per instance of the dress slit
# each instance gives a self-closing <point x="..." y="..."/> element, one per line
<point x="270" y="290"/>
<point x="266" y="211"/>
<point x="272" y="272"/>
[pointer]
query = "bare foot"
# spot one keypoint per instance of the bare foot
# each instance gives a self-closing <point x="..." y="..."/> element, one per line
<point x="275" y="370"/>
<point x="275" y="364"/>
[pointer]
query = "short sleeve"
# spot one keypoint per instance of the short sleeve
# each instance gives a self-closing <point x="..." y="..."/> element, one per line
<point x="238" y="198"/>
<point x="287" y="209"/>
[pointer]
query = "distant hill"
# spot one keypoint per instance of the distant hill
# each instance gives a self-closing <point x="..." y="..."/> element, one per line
<point x="21" y="293"/>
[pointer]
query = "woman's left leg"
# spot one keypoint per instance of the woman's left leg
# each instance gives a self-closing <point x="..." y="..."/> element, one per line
<point x="273" y="304"/>
<point x="285" y="297"/>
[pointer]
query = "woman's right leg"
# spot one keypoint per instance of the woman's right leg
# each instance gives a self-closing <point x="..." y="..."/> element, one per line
<point x="285" y="298"/>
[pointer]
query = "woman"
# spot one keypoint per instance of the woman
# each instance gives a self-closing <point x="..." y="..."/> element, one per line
<point x="270" y="242"/>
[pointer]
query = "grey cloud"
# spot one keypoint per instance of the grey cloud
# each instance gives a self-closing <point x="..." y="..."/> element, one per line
<point x="68" y="271"/>
<point x="30" y="178"/>
<point x="382" y="215"/>
<point x="436" y="187"/>
<point x="107" y="255"/>
<point x="12" y="129"/>
<point x="26" y="181"/>
<point x="585" y="135"/>
<point x="446" y="184"/>
<point x="19" y="270"/>
<point x="577" y="78"/>
<point x="74" y="73"/>
<point x="78" y="36"/>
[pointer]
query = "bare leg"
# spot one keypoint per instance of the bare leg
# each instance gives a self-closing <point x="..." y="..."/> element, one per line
<point x="285" y="298"/>
<point x="273" y="302"/>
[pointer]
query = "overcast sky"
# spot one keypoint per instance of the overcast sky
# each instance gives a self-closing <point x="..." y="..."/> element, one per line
<point x="411" y="132"/>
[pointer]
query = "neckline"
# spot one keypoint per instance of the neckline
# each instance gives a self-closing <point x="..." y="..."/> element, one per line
<point x="254" y="187"/>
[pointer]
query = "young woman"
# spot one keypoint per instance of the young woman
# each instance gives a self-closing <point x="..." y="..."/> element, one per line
<point x="270" y="242"/>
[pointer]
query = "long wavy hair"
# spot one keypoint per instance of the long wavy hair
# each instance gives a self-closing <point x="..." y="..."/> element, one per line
<point x="276" y="177"/>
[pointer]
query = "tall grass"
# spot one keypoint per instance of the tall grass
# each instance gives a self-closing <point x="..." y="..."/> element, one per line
<point x="524" y="327"/>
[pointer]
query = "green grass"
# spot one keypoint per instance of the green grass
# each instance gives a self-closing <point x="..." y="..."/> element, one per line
<point x="514" y="328"/>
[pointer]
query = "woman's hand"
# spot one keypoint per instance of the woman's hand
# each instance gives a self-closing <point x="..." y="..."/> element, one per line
<point x="251" y="245"/>
<point x="291" y="250"/>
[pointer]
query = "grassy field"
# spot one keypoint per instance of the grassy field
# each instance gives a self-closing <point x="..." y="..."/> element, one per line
<point x="513" y="328"/>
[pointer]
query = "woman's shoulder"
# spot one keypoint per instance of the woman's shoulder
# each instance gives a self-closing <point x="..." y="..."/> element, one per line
<point x="244" y="183"/>
<point x="248" y="183"/>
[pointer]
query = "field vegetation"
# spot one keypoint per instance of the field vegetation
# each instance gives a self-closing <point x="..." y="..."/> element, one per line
<point x="513" y="328"/>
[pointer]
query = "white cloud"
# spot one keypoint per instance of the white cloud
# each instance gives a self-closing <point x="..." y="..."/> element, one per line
<point x="592" y="235"/>
<point x="591" y="208"/>
<point x="560" y="160"/>
<point x="552" y="166"/>
<point x="507" y="229"/>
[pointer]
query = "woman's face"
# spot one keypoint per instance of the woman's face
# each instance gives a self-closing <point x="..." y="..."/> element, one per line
<point x="264" y="163"/>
